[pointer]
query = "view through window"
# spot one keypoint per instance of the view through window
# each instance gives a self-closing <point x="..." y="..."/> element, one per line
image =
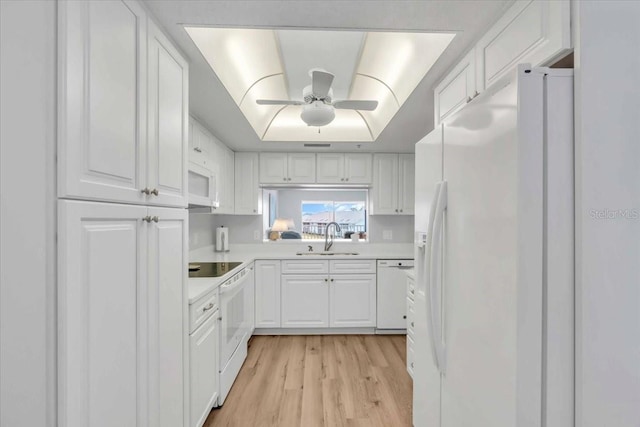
<point x="351" y="216"/>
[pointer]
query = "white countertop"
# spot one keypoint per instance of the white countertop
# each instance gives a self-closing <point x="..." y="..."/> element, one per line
<point x="248" y="253"/>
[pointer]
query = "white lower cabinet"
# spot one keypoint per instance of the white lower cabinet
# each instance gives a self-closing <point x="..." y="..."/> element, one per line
<point x="352" y="300"/>
<point x="204" y="380"/>
<point x="122" y="315"/>
<point x="267" y="301"/>
<point x="316" y="297"/>
<point x="305" y="301"/>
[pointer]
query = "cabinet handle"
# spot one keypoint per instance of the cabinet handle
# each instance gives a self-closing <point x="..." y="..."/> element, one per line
<point x="198" y="150"/>
<point x="155" y="219"/>
<point x="341" y="179"/>
<point x="220" y="319"/>
<point x="400" y="210"/>
<point x="346" y="179"/>
<point x="476" y="93"/>
<point x="147" y="218"/>
<point x="412" y="325"/>
<point x="469" y="99"/>
<point x="289" y="179"/>
<point x="404" y="317"/>
<point x="155" y="192"/>
<point x="412" y="364"/>
<point x="396" y="210"/>
<point x="145" y="191"/>
<point x="326" y="280"/>
<point x="332" y="279"/>
<point x="284" y="179"/>
<point x="208" y="307"/>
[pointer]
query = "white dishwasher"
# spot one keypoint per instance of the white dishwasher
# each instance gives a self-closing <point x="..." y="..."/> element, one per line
<point x="392" y="293"/>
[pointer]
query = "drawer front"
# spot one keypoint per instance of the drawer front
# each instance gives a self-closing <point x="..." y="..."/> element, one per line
<point x="411" y="318"/>
<point x="410" y="356"/>
<point x="305" y="266"/>
<point x="352" y="266"/>
<point x="202" y="309"/>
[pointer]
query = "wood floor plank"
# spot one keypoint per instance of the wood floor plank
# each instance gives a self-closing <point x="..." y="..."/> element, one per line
<point x="323" y="381"/>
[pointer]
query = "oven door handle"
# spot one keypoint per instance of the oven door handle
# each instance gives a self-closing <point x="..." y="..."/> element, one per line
<point x="232" y="286"/>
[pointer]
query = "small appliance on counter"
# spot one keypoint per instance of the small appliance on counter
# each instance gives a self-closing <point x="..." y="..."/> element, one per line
<point x="222" y="239"/>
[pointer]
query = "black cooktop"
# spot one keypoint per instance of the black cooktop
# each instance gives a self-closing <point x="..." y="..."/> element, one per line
<point x="211" y="269"/>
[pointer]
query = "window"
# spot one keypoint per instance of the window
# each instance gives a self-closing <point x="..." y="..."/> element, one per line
<point x="351" y="216"/>
<point x="303" y="213"/>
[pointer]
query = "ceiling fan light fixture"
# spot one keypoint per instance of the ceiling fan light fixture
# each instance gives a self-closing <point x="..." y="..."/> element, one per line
<point x="317" y="114"/>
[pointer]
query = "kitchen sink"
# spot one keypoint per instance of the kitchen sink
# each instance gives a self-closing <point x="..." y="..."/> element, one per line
<point x="328" y="253"/>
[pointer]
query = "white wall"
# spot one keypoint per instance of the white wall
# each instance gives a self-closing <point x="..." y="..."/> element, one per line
<point x="27" y="213"/>
<point x="242" y="227"/>
<point x="607" y="37"/>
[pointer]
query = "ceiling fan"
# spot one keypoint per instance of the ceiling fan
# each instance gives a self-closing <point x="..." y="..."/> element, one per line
<point x="319" y="107"/>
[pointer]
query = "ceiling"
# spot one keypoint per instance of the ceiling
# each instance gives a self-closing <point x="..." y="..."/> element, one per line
<point x="213" y="105"/>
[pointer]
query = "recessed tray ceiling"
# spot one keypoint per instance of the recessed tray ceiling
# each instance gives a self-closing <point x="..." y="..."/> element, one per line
<point x="274" y="64"/>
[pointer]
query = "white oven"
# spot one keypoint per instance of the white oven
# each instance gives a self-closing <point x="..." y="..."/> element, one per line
<point x="235" y="326"/>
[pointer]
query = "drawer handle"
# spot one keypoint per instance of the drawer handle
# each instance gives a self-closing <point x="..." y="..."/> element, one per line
<point x="412" y="364"/>
<point x="208" y="307"/>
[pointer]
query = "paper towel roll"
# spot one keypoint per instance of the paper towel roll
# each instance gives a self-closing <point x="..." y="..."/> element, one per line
<point x="222" y="239"/>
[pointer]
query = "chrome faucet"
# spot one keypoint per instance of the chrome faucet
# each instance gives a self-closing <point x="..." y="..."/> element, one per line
<point x="327" y="243"/>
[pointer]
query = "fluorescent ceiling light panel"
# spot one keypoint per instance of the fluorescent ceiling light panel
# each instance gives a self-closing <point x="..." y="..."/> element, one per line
<point x="274" y="64"/>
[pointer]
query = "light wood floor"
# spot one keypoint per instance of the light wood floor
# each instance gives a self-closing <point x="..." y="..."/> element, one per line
<point x="308" y="381"/>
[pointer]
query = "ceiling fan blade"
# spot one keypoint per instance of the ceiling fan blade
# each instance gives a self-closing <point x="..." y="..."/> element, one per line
<point x="356" y="105"/>
<point x="321" y="83"/>
<point x="277" y="102"/>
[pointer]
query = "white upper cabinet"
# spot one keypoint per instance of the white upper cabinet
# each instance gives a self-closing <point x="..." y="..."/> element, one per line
<point x="287" y="168"/>
<point x="406" y="183"/>
<point x="224" y="167"/>
<point x="339" y="168"/>
<point x="199" y="146"/>
<point x="104" y="150"/>
<point x="168" y="121"/>
<point x="456" y="89"/>
<point x="102" y="101"/>
<point x="248" y="196"/>
<point x="393" y="185"/>
<point x="536" y="32"/>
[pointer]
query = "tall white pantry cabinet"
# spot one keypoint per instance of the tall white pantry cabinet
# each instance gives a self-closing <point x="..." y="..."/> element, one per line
<point x="122" y="222"/>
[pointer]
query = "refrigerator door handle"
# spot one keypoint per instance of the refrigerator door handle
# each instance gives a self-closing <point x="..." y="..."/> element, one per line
<point x="434" y="296"/>
<point x="426" y="270"/>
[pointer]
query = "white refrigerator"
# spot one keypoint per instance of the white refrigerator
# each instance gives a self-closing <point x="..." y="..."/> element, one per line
<point x="494" y="259"/>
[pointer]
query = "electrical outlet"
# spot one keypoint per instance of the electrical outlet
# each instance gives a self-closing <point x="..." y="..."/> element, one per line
<point x="387" y="235"/>
<point x="256" y="234"/>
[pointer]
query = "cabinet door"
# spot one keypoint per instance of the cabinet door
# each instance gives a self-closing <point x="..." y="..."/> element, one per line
<point x="248" y="195"/>
<point x="457" y="88"/>
<point x="406" y="184"/>
<point x="168" y="316"/>
<point x="384" y="200"/>
<point x="168" y="121"/>
<point x="352" y="300"/>
<point x="305" y="301"/>
<point x="535" y="32"/>
<point x="273" y="168"/>
<point x="229" y="172"/>
<point x="102" y="105"/>
<point x="203" y="366"/>
<point x="102" y="314"/>
<point x="302" y="168"/>
<point x="267" y="282"/>
<point x="199" y="153"/>
<point x="330" y="168"/>
<point x="357" y="168"/>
